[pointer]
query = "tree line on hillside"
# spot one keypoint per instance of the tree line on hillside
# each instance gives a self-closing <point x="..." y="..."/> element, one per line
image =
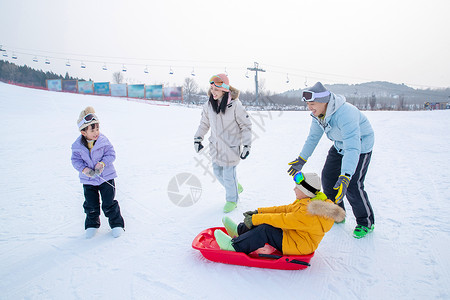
<point x="25" y="75"/>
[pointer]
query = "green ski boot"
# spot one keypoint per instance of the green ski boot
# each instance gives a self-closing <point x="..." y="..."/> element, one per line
<point x="223" y="240"/>
<point x="229" y="206"/>
<point x="230" y="226"/>
<point x="361" y="231"/>
<point x="240" y="188"/>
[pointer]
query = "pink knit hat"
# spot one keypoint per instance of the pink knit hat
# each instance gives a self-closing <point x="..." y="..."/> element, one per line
<point x="221" y="81"/>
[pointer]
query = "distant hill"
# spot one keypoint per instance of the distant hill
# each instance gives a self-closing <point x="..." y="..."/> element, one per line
<point x="382" y="89"/>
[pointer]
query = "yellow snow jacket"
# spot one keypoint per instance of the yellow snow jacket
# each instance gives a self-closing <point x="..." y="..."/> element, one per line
<point x="304" y="223"/>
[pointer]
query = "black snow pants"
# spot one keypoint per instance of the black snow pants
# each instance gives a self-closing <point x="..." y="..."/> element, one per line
<point x="110" y="206"/>
<point x="356" y="195"/>
<point x="251" y="239"/>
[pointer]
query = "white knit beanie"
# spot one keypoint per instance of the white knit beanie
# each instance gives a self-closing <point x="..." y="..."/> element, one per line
<point x="88" y="110"/>
<point x="313" y="180"/>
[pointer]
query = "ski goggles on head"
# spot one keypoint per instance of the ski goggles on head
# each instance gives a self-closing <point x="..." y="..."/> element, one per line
<point x="218" y="82"/>
<point x="309" y="96"/>
<point x="87" y="118"/>
<point x="299" y="179"/>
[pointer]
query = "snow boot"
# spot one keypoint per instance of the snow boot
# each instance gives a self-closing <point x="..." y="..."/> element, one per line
<point x="240" y="188"/>
<point x="223" y="240"/>
<point x="90" y="232"/>
<point x="361" y="231"/>
<point x="117" y="231"/>
<point x="230" y="226"/>
<point x="229" y="206"/>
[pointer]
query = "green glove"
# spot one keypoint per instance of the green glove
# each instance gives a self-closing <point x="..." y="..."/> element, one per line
<point x="248" y="221"/>
<point x="341" y="186"/>
<point x="296" y="165"/>
<point x="250" y="212"/>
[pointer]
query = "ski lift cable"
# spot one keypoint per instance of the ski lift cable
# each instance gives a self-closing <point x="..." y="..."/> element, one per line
<point x="123" y="58"/>
<point x="130" y="64"/>
<point x="183" y="66"/>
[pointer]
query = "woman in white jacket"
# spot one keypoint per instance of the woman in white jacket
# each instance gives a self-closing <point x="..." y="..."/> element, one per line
<point x="231" y="128"/>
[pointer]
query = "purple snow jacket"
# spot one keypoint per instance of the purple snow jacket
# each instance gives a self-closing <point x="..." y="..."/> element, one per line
<point x="103" y="151"/>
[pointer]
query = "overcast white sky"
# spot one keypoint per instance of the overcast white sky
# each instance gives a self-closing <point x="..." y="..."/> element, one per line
<point x="333" y="41"/>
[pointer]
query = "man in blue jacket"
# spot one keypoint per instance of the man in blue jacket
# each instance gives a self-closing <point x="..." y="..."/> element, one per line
<point x="348" y="159"/>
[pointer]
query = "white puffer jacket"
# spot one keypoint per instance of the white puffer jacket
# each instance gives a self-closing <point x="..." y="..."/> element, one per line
<point x="229" y="130"/>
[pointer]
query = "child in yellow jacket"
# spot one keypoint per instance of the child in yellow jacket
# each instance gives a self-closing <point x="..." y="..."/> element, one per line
<point x="294" y="229"/>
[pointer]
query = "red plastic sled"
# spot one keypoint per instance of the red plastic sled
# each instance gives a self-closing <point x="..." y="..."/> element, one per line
<point x="266" y="257"/>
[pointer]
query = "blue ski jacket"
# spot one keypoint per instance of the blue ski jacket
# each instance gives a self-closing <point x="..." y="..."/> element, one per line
<point x="347" y="127"/>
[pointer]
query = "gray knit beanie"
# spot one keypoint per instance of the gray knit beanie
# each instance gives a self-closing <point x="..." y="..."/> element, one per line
<point x="318" y="88"/>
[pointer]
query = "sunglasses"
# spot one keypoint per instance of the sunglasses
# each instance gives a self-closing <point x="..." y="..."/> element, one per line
<point x="218" y="82"/>
<point x="87" y="118"/>
<point x="309" y="96"/>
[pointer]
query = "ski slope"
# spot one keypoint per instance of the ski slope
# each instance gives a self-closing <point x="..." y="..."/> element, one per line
<point x="44" y="255"/>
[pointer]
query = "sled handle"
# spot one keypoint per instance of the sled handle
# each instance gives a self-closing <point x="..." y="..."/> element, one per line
<point x="294" y="261"/>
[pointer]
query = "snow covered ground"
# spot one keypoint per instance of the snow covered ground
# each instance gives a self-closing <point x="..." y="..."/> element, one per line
<point x="44" y="255"/>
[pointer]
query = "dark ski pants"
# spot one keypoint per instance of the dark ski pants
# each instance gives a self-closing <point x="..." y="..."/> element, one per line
<point x="251" y="239"/>
<point x="110" y="206"/>
<point x="356" y="195"/>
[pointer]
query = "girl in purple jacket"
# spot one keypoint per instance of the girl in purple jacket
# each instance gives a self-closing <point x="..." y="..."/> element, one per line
<point x="93" y="156"/>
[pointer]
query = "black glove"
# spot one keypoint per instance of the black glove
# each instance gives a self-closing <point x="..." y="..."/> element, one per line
<point x="245" y="152"/>
<point x="248" y="221"/>
<point x="250" y="212"/>
<point x="198" y="144"/>
<point x="296" y="165"/>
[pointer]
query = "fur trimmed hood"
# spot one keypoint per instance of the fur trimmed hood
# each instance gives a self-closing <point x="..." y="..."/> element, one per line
<point x="234" y="93"/>
<point x="326" y="209"/>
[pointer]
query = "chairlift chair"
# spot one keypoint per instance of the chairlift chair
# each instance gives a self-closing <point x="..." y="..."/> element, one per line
<point x="47" y="62"/>
<point x="124" y="69"/>
<point x="68" y="63"/>
<point x="171" y="71"/>
<point x="287" y="78"/>
<point x="146" y="70"/>
<point x="83" y="66"/>
<point x="13" y="56"/>
<point x="104" y="68"/>
<point x="35" y="59"/>
<point x="192" y="73"/>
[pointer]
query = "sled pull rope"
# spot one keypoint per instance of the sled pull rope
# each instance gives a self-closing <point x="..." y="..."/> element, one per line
<point x="125" y="194"/>
<point x="294" y="261"/>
